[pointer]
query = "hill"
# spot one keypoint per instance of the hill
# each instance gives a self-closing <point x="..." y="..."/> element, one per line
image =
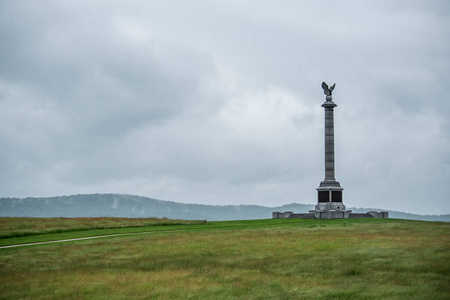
<point x="251" y="259"/>
<point x="115" y="205"/>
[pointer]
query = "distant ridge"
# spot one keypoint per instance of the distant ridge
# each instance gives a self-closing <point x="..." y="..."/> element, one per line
<point x="117" y="205"/>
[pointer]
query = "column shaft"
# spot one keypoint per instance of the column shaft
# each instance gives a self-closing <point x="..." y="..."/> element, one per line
<point x="329" y="144"/>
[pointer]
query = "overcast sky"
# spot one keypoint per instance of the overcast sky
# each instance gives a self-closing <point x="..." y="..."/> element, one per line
<point x="219" y="102"/>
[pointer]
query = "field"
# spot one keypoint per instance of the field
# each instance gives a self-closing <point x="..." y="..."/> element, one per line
<point x="15" y="227"/>
<point x="260" y="259"/>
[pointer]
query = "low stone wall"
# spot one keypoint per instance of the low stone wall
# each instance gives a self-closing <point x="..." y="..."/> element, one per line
<point x="291" y="215"/>
<point x="282" y="215"/>
<point x="330" y="215"/>
<point x="302" y="216"/>
<point x="359" y="215"/>
<point x="378" y="214"/>
<point x="370" y="214"/>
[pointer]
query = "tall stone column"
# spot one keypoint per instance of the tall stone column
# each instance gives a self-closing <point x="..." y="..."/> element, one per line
<point x="329" y="140"/>
<point x="329" y="193"/>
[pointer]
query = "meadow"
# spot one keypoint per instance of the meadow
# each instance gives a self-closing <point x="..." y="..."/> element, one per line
<point x="14" y="227"/>
<point x="258" y="259"/>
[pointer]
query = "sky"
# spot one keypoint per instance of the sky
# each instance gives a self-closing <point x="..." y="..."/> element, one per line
<point x="219" y="102"/>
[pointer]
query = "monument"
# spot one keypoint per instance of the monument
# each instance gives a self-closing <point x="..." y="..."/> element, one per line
<point x="329" y="193"/>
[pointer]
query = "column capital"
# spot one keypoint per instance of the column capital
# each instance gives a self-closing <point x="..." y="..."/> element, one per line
<point x="329" y="104"/>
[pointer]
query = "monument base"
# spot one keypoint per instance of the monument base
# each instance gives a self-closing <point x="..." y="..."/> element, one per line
<point x="330" y="210"/>
<point x="326" y="206"/>
<point x="329" y="214"/>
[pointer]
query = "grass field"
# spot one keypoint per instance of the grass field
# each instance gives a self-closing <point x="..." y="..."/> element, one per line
<point x="14" y="227"/>
<point x="261" y="259"/>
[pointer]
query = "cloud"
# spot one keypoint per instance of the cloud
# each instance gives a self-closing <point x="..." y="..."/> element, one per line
<point x="219" y="103"/>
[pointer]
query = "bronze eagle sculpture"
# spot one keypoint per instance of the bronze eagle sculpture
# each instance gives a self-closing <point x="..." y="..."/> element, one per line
<point x="328" y="90"/>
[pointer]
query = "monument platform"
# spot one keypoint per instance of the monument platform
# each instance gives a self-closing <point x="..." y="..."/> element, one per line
<point x="330" y="214"/>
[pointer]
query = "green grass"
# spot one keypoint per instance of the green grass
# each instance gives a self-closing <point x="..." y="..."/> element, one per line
<point x="92" y="227"/>
<point x="15" y="227"/>
<point x="261" y="259"/>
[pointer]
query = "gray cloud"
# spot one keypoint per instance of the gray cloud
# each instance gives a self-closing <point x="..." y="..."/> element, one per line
<point x="219" y="102"/>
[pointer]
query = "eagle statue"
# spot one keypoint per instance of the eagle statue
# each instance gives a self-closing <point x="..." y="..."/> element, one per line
<point x="328" y="90"/>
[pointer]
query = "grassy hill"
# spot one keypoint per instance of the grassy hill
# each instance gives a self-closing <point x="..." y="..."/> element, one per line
<point x="254" y="259"/>
<point x="128" y="206"/>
